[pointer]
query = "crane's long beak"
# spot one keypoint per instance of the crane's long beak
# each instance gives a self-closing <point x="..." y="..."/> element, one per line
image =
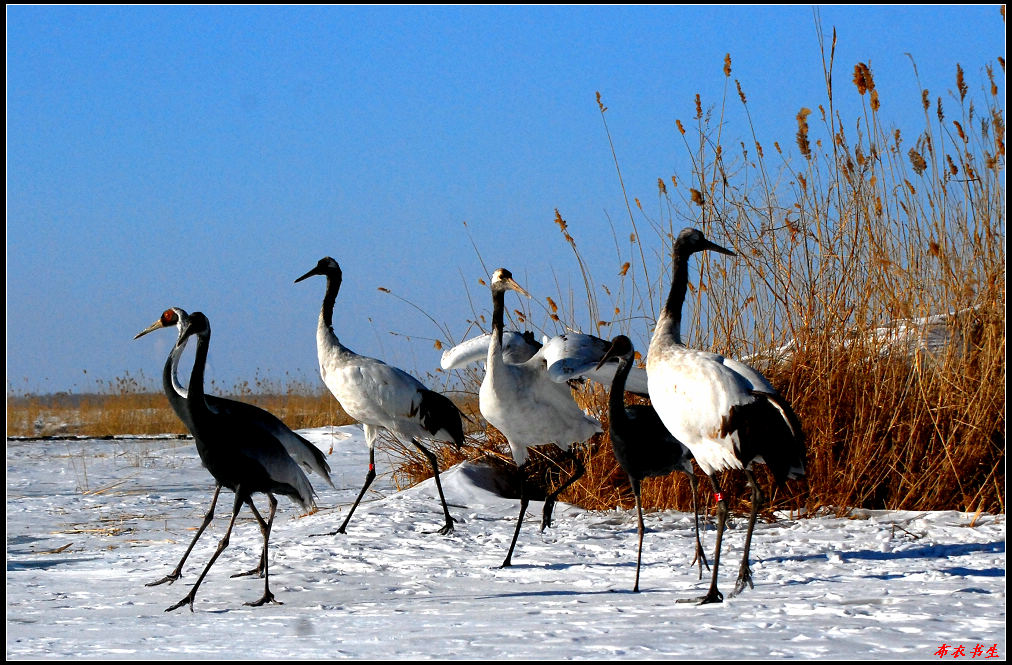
<point x="608" y="355"/>
<point x="308" y="274"/>
<point x="511" y="283"/>
<point x="717" y="248"/>
<point x="154" y="326"/>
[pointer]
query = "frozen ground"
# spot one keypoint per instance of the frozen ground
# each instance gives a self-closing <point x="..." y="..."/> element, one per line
<point x="90" y="522"/>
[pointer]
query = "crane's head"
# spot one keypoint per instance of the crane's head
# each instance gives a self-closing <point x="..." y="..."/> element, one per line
<point x="327" y="267"/>
<point x="621" y="347"/>
<point x="173" y="316"/>
<point x="690" y="241"/>
<point x="502" y="280"/>
<point x="195" y="324"/>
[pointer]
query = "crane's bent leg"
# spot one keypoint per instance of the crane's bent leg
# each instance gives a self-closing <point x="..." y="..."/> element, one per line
<point x="268" y="597"/>
<point x="448" y="525"/>
<point x="700" y="557"/>
<point x="546" y="517"/>
<point x="265" y="531"/>
<point x="174" y="575"/>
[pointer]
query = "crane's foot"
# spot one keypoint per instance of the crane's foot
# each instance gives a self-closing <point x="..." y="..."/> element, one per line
<point x="258" y="571"/>
<point x="332" y="533"/>
<point x="713" y="596"/>
<point x="701" y="560"/>
<point x="170" y="578"/>
<point x="268" y="597"/>
<point x="185" y="601"/>
<point x="546" y="515"/>
<point x="744" y="578"/>
<point x="445" y="531"/>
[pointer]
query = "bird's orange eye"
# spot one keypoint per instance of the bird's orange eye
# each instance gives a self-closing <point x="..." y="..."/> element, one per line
<point x="169" y="317"/>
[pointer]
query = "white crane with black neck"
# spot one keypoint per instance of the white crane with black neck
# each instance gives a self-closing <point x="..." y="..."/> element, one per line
<point x="379" y="395"/>
<point x="724" y="411"/>
<point x="528" y="407"/>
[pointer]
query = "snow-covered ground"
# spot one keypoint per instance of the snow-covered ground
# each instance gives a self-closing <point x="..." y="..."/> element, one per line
<point x="90" y="522"/>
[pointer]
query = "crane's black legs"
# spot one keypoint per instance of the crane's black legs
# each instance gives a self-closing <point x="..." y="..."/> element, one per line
<point x="448" y="526"/>
<point x="521" y="475"/>
<point x="546" y="518"/>
<point x="221" y="548"/>
<point x="174" y="575"/>
<point x="714" y="595"/>
<point x="265" y="531"/>
<point x="268" y="597"/>
<point x="639" y="523"/>
<point x="744" y="573"/>
<point x="700" y="557"/>
<point x="369" y="477"/>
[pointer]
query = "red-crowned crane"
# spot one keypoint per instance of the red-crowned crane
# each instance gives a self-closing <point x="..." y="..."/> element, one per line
<point x="727" y="413"/>
<point x="529" y="408"/>
<point x="380" y="395"/>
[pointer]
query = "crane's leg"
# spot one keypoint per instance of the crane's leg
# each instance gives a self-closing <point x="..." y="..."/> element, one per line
<point x="700" y="557"/>
<point x="448" y="525"/>
<point x="639" y="524"/>
<point x="546" y="518"/>
<point x="174" y="575"/>
<point x="714" y="595"/>
<point x="221" y="548"/>
<point x="268" y="597"/>
<point x="265" y="531"/>
<point x="744" y="573"/>
<point x="522" y="475"/>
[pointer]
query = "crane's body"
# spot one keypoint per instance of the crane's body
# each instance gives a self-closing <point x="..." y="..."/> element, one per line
<point x="379" y="395"/>
<point x="725" y="412"/>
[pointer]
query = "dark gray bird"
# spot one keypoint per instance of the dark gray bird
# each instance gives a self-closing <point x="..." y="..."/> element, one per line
<point x="726" y="412"/>
<point x="240" y="454"/>
<point x="301" y="450"/>
<point x="380" y="395"/>
<point x="642" y="444"/>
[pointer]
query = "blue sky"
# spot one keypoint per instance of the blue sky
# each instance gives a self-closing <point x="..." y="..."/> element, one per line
<point x="205" y="157"/>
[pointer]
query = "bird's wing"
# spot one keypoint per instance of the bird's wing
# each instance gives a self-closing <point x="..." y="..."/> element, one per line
<point x="576" y="355"/>
<point x="300" y="449"/>
<point x="517" y="348"/>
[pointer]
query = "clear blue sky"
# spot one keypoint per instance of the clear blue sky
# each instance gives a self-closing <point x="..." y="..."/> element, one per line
<point x="205" y="157"/>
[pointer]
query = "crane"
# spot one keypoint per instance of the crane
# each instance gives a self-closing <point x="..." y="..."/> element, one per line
<point x="643" y="446"/>
<point x="379" y="395"/>
<point x="301" y="450"/>
<point x="724" y="411"/>
<point x="240" y="454"/>
<point x="529" y="408"/>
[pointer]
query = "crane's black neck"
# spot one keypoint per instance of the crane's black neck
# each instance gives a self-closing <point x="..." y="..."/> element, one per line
<point x="671" y="316"/>
<point x="169" y="383"/>
<point x="616" y="399"/>
<point x="329" y="298"/>
<point x="195" y="391"/>
<point x="498" y="310"/>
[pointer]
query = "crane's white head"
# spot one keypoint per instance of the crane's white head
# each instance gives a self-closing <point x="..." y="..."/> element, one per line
<point x="327" y="267"/>
<point x="690" y="241"/>
<point x="502" y="280"/>
<point x="173" y="316"/>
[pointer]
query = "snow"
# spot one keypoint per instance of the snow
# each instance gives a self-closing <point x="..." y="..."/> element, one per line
<point x="89" y="522"/>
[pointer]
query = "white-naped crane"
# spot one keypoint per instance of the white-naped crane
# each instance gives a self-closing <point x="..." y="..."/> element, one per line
<point x="724" y="411"/>
<point x="529" y="408"/>
<point x="380" y="395"/>
<point x="642" y="445"/>
<point x="301" y="450"/>
<point x="240" y="454"/>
